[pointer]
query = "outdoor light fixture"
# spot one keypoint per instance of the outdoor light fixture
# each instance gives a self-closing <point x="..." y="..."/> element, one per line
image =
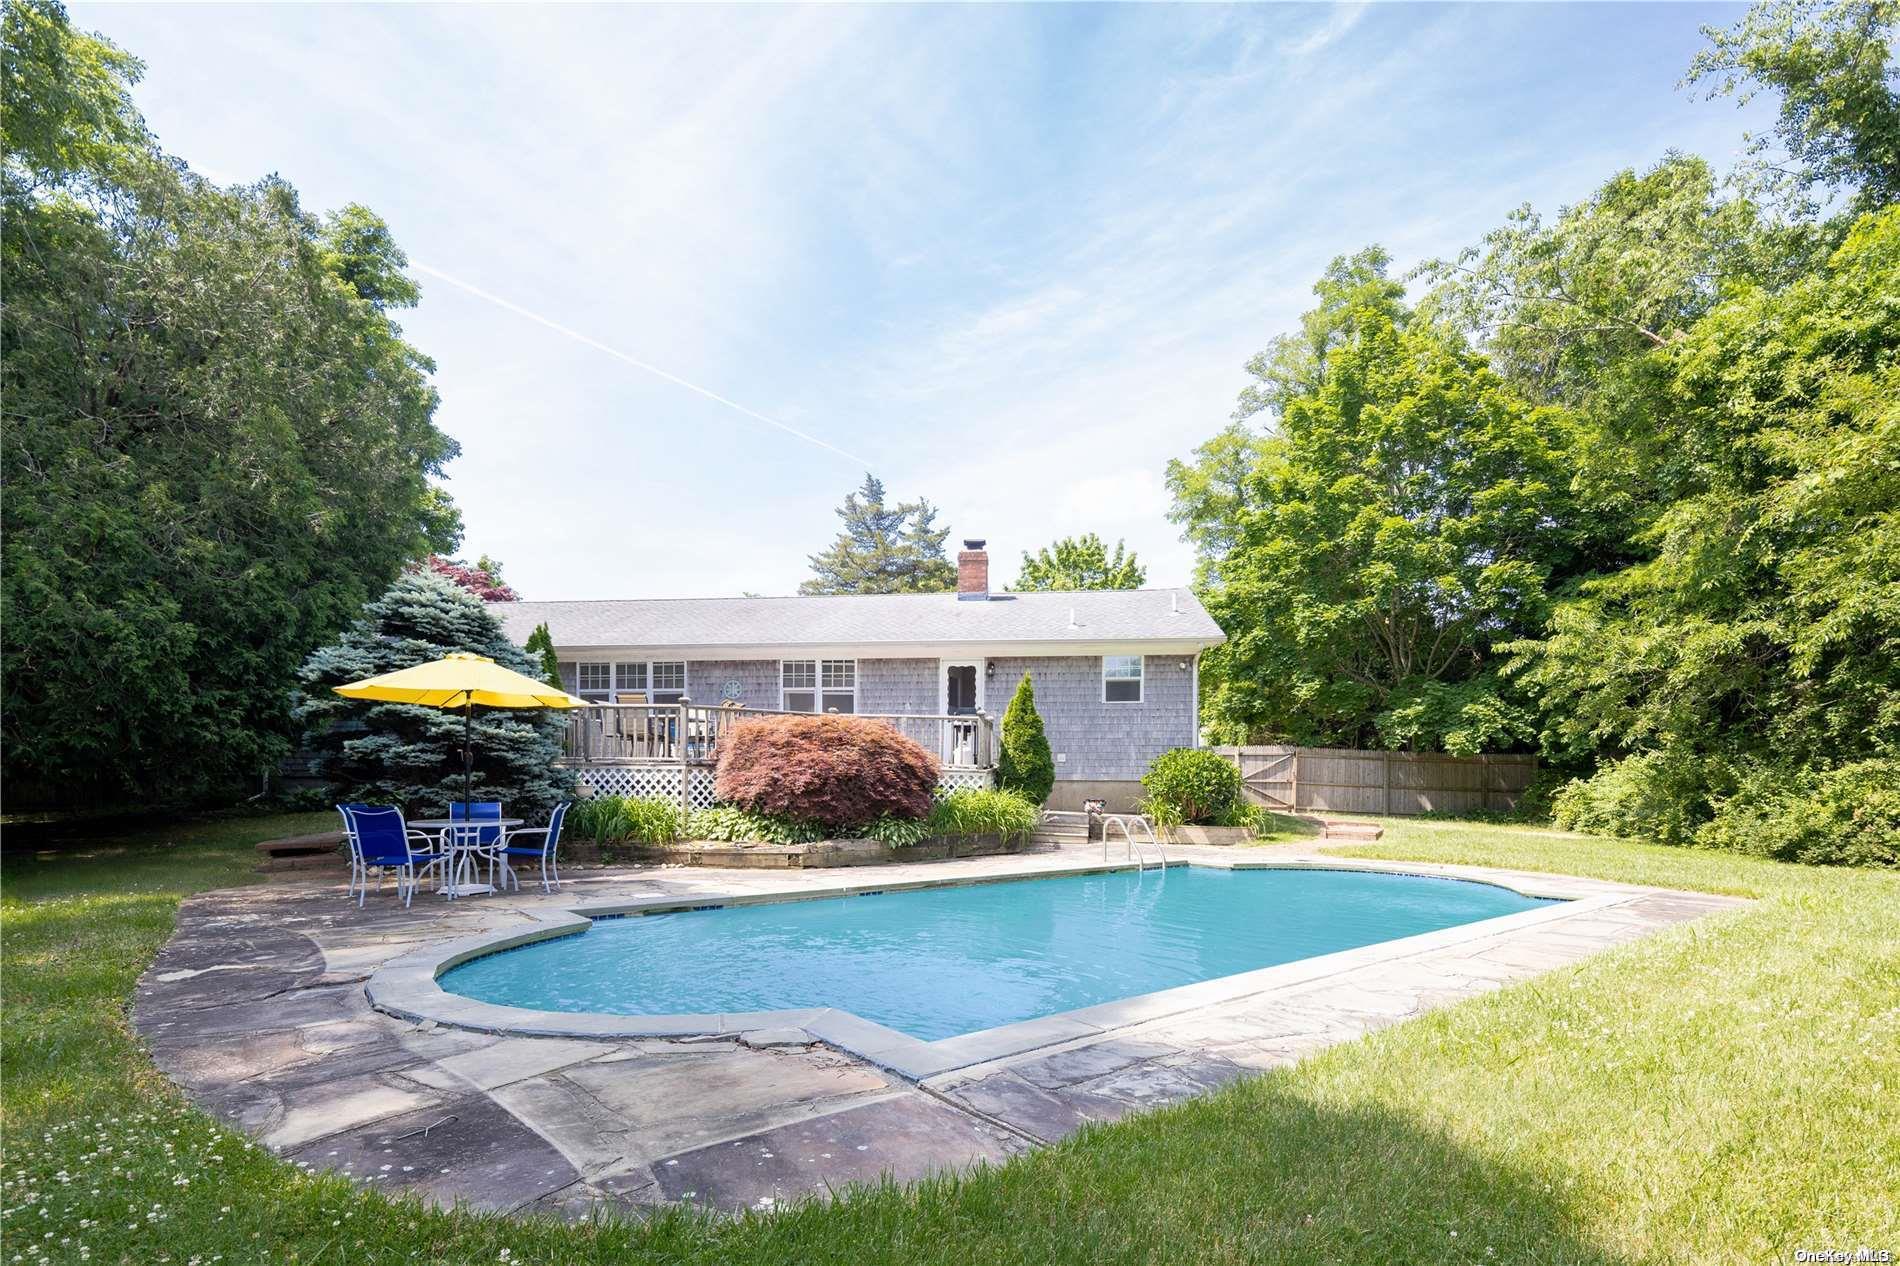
<point x="989" y="672"/>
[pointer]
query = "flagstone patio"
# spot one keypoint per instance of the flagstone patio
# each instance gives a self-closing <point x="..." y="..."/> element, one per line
<point x="258" y="1008"/>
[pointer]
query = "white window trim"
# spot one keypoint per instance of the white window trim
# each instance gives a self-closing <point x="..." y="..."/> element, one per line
<point x="613" y="678"/>
<point x="587" y="692"/>
<point x="818" y="688"/>
<point x="982" y="666"/>
<point x="1141" y="682"/>
<point x="685" y="688"/>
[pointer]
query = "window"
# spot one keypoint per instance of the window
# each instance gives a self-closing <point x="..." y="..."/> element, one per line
<point x="1121" y="678"/>
<point x="827" y="685"/>
<point x="660" y="681"/>
<point x="630" y="678"/>
<point x="594" y="681"/>
<point x="669" y="680"/>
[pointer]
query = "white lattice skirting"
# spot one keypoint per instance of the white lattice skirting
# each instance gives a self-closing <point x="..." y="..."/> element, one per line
<point x="649" y="782"/>
<point x="662" y="782"/>
<point x="965" y="780"/>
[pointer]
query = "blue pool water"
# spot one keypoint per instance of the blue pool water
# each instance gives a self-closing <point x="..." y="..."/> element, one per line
<point x="937" y="962"/>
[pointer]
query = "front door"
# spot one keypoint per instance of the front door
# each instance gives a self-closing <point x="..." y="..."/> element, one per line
<point x="962" y="696"/>
<point x="959" y="689"/>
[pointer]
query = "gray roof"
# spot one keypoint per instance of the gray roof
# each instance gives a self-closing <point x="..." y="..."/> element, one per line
<point x="1125" y="616"/>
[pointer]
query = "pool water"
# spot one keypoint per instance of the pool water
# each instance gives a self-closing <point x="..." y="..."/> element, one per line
<point x="938" y="962"/>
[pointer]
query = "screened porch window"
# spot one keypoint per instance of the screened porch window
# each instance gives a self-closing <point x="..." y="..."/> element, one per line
<point x="1121" y="678"/>
<point x="822" y="685"/>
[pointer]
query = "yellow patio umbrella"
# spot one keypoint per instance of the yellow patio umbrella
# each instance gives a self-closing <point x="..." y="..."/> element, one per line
<point x="461" y="680"/>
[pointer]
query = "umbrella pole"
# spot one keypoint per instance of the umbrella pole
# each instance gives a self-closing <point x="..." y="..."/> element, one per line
<point x="468" y="761"/>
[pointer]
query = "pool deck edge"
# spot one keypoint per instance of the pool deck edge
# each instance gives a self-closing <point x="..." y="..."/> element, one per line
<point x="409" y="987"/>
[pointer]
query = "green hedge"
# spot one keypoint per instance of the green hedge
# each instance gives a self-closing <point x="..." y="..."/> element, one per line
<point x="1192" y="784"/>
<point x="635" y="820"/>
<point x="626" y="819"/>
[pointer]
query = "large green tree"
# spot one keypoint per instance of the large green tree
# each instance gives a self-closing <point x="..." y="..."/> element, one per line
<point x="217" y="444"/>
<point x="1761" y="627"/>
<point x="1831" y="65"/>
<point x="397" y="753"/>
<point x="1410" y="515"/>
<point x="1080" y="562"/>
<point x="885" y="547"/>
<point x="1729" y="666"/>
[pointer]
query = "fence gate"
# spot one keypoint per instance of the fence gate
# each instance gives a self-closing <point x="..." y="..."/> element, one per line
<point x="1266" y="774"/>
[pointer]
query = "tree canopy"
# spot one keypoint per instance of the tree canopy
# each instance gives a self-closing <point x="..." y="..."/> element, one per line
<point x="1831" y="63"/>
<point x="885" y="547"/>
<point x="1623" y="487"/>
<point x="1080" y="562"/>
<point x="1391" y="538"/>
<point x="217" y="443"/>
<point x="481" y="578"/>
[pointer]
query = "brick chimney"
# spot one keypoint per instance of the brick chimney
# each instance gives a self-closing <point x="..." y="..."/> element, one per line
<point x="973" y="573"/>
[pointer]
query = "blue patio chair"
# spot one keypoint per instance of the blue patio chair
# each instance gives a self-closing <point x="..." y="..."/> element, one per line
<point x="545" y="850"/>
<point x="483" y="841"/>
<point x="384" y="840"/>
<point x="359" y="873"/>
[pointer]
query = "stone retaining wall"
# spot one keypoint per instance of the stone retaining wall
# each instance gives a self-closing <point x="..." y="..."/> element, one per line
<point x="751" y="855"/>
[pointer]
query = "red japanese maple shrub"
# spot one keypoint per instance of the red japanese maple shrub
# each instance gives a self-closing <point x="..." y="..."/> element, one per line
<point x="840" y="771"/>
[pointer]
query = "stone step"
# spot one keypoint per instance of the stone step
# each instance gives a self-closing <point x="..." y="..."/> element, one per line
<point x="303" y="861"/>
<point x="290" y="845"/>
<point x="1331" y="830"/>
<point x="321" y="851"/>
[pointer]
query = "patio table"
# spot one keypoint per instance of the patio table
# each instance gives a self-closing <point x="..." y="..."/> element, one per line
<point x="461" y="855"/>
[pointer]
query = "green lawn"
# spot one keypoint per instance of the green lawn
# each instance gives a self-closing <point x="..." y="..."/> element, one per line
<point x="1720" y="1092"/>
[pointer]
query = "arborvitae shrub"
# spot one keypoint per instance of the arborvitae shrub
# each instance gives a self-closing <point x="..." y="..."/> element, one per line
<point x="1025" y="765"/>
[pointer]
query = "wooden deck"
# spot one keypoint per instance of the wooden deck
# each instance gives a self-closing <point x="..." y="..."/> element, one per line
<point x="687" y="734"/>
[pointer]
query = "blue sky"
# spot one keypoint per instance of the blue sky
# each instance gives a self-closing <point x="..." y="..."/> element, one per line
<point x="1009" y="258"/>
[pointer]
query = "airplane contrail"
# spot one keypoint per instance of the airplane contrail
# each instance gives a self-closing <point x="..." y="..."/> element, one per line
<point x="635" y="361"/>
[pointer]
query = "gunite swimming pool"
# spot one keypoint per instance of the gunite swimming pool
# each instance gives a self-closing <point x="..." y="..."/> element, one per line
<point x="938" y="962"/>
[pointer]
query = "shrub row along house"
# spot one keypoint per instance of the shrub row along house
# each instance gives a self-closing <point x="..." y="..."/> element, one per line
<point x="1115" y="675"/>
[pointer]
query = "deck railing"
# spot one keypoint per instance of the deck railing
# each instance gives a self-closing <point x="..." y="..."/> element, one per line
<point x="688" y="733"/>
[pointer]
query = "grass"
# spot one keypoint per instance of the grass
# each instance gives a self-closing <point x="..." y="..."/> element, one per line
<point x="1728" y="1090"/>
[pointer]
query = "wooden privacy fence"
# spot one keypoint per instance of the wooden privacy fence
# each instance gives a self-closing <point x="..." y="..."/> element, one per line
<point x="1343" y="780"/>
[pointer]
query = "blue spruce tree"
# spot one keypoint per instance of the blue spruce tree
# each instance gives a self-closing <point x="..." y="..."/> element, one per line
<point x="397" y="753"/>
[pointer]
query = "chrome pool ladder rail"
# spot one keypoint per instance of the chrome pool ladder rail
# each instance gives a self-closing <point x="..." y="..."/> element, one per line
<point x="1138" y="833"/>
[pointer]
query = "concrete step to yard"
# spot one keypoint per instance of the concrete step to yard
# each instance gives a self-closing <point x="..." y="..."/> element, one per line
<point x="1334" y="829"/>
<point x="320" y="851"/>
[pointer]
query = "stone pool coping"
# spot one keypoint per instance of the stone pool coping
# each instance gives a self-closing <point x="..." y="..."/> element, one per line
<point x="408" y="987"/>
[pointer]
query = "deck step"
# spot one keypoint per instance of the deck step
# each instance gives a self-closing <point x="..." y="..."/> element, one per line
<point x="319" y="851"/>
<point x="303" y="861"/>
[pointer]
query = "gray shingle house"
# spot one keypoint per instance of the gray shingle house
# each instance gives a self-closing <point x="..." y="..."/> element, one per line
<point x="1116" y="675"/>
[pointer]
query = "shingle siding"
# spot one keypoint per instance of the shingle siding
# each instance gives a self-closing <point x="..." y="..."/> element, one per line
<point x="904" y="687"/>
<point x="756" y="681"/>
<point x="1102" y="741"/>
